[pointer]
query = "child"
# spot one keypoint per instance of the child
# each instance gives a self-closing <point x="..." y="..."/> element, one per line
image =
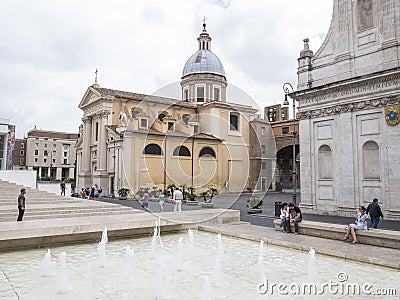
<point x="284" y="216"/>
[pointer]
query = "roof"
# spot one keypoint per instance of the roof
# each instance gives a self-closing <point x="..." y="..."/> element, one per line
<point x="105" y="92"/>
<point x="203" y="61"/>
<point x="52" y="134"/>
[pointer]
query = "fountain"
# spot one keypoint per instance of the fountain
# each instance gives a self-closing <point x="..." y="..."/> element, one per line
<point x="191" y="238"/>
<point x="235" y="276"/>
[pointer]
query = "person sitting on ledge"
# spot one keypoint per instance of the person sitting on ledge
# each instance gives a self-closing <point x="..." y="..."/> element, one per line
<point x="361" y="223"/>
<point x="295" y="217"/>
<point x="284" y="216"/>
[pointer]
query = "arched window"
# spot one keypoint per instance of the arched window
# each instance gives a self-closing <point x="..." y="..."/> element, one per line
<point x="325" y="163"/>
<point x="153" y="149"/>
<point x="181" y="151"/>
<point x="207" y="151"/>
<point x="371" y="162"/>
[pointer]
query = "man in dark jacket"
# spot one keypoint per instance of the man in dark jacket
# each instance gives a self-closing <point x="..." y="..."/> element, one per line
<point x="375" y="213"/>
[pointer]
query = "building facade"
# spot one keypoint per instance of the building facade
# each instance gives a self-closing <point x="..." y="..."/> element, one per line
<point x="349" y="105"/>
<point x="19" y="154"/>
<point x="282" y="130"/>
<point x="3" y="142"/>
<point x="133" y="140"/>
<point x="52" y="154"/>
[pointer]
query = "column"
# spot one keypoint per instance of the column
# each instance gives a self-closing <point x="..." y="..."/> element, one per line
<point x="87" y="135"/>
<point x="102" y="144"/>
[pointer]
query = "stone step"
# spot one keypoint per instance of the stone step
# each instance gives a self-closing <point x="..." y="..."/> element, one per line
<point x="65" y="212"/>
<point x="42" y="207"/>
<point x="56" y="216"/>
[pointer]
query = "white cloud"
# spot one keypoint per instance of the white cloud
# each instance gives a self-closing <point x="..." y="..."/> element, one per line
<point x="50" y="49"/>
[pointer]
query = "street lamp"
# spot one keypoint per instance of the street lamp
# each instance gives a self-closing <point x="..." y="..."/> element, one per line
<point x="288" y="89"/>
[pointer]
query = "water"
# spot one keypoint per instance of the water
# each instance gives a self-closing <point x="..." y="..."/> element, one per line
<point x="79" y="274"/>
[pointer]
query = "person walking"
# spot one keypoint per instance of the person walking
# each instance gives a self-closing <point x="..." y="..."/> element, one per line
<point x="178" y="197"/>
<point x="62" y="187"/>
<point x="375" y="213"/>
<point x="21" y="205"/>
<point x="145" y="201"/>
<point x="295" y="217"/>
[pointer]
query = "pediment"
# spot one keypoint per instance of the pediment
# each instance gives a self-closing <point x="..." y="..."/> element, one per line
<point x="91" y="95"/>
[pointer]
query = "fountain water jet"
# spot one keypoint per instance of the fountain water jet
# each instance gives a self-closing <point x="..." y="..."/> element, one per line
<point x="88" y="292"/>
<point x="312" y="270"/>
<point x="179" y="262"/>
<point x="63" y="274"/>
<point x="101" y="247"/>
<point x="47" y="264"/>
<point x="129" y="254"/>
<point x="207" y="293"/>
<point x="220" y="251"/>
<point x="261" y="253"/>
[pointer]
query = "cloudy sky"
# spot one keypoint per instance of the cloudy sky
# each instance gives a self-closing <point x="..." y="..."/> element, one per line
<point x="50" y="49"/>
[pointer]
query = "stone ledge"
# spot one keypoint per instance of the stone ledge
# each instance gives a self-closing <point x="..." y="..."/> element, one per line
<point x="375" y="237"/>
<point x="40" y="233"/>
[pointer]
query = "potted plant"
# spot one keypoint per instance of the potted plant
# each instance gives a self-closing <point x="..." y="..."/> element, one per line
<point x="254" y="205"/>
<point x="123" y="193"/>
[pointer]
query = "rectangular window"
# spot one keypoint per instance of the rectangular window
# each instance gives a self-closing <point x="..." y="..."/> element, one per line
<point x="263" y="166"/>
<point x="65" y="154"/>
<point x="65" y="147"/>
<point x="170" y="125"/>
<point x="97" y="132"/>
<point x="36" y="160"/>
<point x="21" y="161"/>
<point x="272" y="115"/>
<point x="54" y="153"/>
<point x="45" y="160"/>
<point x="200" y="94"/>
<point x="54" y="146"/>
<point x="143" y="123"/>
<point x="216" y="94"/>
<point x="263" y="131"/>
<point x="186" y="95"/>
<point x="263" y="149"/>
<point x="36" y="152"/>
<point x="234" y="122"/>
<point x="36" y="145"/>
<point x="22" y="145"/>
<point x="285" y="130"/>
<point x="196" y="128"/>
<point x="45" y="145"/>
<point x="22" y="153"/>
<point x="54" y="160"/>
<point x="45" y="153"/>
<point x="65" y="161"/>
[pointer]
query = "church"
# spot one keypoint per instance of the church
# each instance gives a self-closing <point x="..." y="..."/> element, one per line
<point x="349" y="105"/>
<point x="135" y="141"/>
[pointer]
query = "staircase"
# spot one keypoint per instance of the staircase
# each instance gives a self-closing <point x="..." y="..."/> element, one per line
<point x="44" y="205"/>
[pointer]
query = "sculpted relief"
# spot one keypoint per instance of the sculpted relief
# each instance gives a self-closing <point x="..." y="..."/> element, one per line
<point x="365" y="14"/>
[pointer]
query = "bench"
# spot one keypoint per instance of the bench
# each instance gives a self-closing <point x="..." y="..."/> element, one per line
<point x="375" y="237"/>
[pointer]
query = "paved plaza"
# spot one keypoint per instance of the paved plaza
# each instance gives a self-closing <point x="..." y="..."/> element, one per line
<point x="239" y="202"/>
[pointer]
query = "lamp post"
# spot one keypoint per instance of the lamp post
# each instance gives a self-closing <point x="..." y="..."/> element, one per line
<point x="288" y="89"/>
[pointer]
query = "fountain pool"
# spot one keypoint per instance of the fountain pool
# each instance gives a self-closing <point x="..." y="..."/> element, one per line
<point x="197" y="265"/>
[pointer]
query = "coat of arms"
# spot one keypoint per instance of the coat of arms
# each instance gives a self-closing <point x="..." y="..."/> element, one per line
<point x="392" y="115"/>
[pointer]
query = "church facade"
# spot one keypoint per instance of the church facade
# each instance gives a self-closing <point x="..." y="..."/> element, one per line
<point x="349" y="104"/>
<point x="138" y="141"/>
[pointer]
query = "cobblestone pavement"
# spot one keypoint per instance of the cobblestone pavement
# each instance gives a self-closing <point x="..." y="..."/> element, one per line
<point x="239" y="202"/>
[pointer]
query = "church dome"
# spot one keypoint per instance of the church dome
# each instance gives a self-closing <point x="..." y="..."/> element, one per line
<point x="203" y="61"/>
